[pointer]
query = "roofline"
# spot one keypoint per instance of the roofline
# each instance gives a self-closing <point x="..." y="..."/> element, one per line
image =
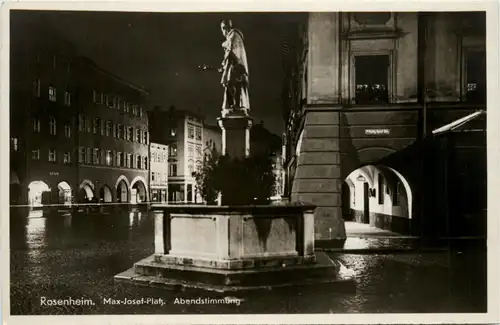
<point x="114" y="76"/>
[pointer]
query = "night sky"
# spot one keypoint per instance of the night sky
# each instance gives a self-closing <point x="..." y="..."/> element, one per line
<point x="161" y="52"/>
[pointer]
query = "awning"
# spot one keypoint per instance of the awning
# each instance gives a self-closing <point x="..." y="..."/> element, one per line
<point x="458" y="123"/>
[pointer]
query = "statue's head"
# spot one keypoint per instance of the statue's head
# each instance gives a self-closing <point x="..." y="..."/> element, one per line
<point x="226" y="26"/>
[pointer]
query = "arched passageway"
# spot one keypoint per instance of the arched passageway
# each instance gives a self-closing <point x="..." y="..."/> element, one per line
<point x="138" y="193"/>
<point x="86" y="193"/>
<point x="38" y="193"/>
<point x="64" y="194"/>
<point x="378" y="196"/>
<point x="122" y="192"/>
<point x="105" y="194"/>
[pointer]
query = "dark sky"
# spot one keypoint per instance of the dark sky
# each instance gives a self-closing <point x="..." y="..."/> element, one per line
<point x="161" y="51"/>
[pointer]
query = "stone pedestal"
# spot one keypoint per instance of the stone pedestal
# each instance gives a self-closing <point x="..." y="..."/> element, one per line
<point x="235" y="127"/>
<point x="237" y="248"/>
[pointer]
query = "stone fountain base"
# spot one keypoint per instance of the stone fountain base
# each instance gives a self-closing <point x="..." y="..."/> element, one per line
<point x="236" y="249"/>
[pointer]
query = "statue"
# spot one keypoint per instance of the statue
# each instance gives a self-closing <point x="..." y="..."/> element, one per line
<point x="234" y="70"/>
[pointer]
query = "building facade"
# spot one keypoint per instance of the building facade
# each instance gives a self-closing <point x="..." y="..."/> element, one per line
<point x="212" y="137"/>
<point x="183" y="132"/>
<point x="158" y="178"/>
<point x="78" y="132"/>
<point x="362" y="93"/>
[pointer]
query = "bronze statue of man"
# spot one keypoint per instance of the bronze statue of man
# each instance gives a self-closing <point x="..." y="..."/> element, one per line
<point x="234" y="70"/>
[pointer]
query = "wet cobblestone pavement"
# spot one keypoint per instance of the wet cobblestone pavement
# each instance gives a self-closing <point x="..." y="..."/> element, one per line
<point x="63" y="255"/>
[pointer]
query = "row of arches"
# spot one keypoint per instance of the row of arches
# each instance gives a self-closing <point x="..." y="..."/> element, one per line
<point x="123" y="191"/>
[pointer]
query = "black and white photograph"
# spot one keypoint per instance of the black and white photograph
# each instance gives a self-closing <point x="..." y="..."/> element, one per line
<point x="166" y="162"/>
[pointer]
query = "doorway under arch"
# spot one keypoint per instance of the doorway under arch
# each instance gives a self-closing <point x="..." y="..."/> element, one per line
<point x="65" y="195"/>
<point x="105" y="194"/>
<point x="86" y="193"/>
<point x="379" y="197"/>
<point x="122" y="192"/>
<point x="139" y="192"/>
<point x="38" y="193"/>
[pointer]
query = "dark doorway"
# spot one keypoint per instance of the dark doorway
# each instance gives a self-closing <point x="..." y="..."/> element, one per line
<point x="366" y="203"/>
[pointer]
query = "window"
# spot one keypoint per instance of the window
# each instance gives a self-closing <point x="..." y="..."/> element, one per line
<point x="145" y="133"/>
<point x="109" y="125"/>
<point x="95" y="156"/>
<point x="190" y="132"/>
<point x="134" y="110"/>
<point x="119" y="159"/>
<point x="36" y="125"/>
<point x="190" y="192"/>
<point x="81" y="122"/>
<point x="36" y="88"/>
<point x="35" y="154"/>
<point x="172" y="170"/>
<point x="129" y="160"/>
<point x="97" y="122"/>
<point x="198" y="134"/>
<point x="67" y="98"/>
<point x="67" y="131"/>
<point x="130" y="134"/>
<point x="128" y="107"/>
<point x="139" y="111"/>
<point x="138" y="136"/>
<point x="52" y="94"/>
<point x="145" y="162"/>
<point x="191" y="170"/>
<point x="14" y="144"/>
<point x="120" y="131"/>
<point x="103" y="127"/>
<point x="153" y="176"/>
<point x="108" y="157"/>
<point x="198" y="167"/>
<point x="88" y="125"/>
<point x="396" y="193"/>
<point x="381" y="192"/>
<point x="138" y="162"/>
<point x="173" y="132"/>
<point x="81" y="155"/>
<point x="372" y="79"/>
<point x="173" y="150"/>
<point x="88" y="156"/>
<point x="475" y="70"/>
<point x="52" y="126"/>
<point x="190" y="151"/>
<point x="110" y="101"/>
<point x="198" y="151"/>
<point x="52" y="155"/>
<point x="121" y="104"/>
<point x="67" y="158"/>
<point x="98" y="97"/>
<point x="115" y="130"/>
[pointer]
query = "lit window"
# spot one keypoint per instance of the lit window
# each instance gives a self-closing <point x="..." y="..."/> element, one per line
<point x="173" y="132"/>
<point x="67" y="131"/>
<point x="14" y="142"/>
<point x="119" y="159"/>
<point x="108" y="157"/>
<point x="173" y="150"/>
<point x="52" y="94"/>
<point x="130" y="134"/>
<point x="52" y="155"/>
<point x="372" y="79"/>
<point x="67" y="158"/>
<point x="35" y="154"/>
<point x="53" y="126"/>
<point x="36" y="125"/>
<point x="67" y="98"/>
